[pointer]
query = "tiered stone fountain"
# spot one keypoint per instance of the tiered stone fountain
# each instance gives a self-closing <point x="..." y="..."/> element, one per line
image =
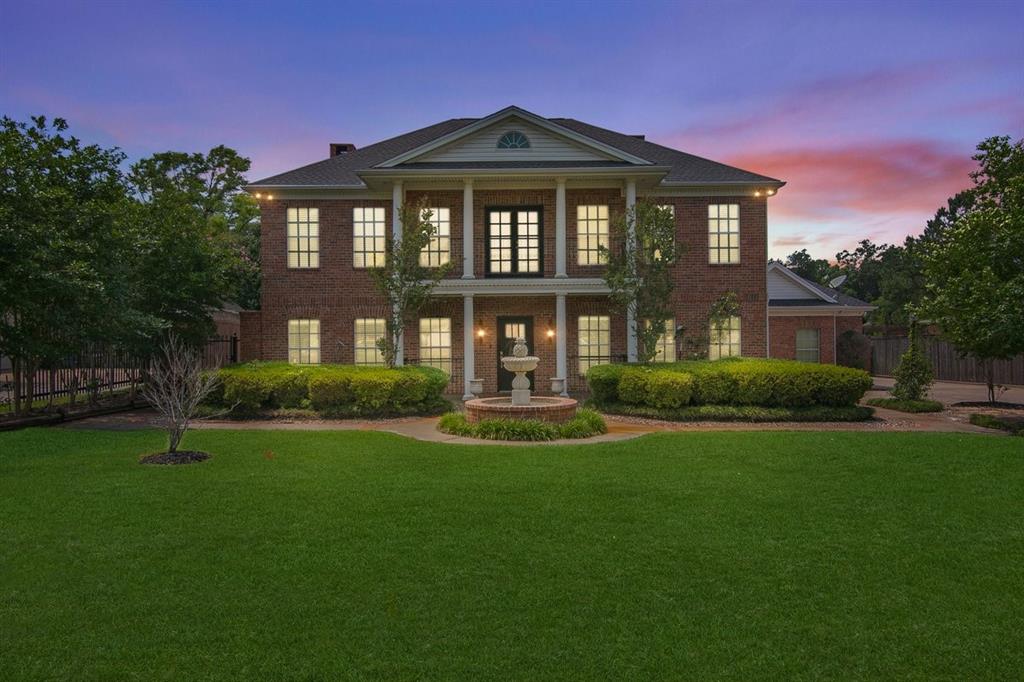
<point x="521" y="405"/>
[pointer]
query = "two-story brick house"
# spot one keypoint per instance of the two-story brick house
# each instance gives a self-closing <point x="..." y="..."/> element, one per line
<point x="522" y="204"/>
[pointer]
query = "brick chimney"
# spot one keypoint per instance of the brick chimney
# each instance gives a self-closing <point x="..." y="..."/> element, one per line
<point x="342" y="148"/>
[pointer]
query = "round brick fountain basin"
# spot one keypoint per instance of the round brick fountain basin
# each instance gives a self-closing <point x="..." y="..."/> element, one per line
<point x="546" y="408"/>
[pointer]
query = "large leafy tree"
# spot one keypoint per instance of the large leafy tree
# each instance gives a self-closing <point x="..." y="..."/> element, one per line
<point x="639" y="272"/>
<point x="815" y="269"/>
<point x="68" y="245"/>
<point x="974" y="265"/>
<point x="404" y="282"/>
<point x="188" y="255"/>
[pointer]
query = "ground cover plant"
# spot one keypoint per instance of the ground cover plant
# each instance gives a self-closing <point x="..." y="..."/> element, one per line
<point x="734" y="382"/>
<point x="259" y="388"/>
<point x="907" y="405"/>
<point x="340" y="555"/>
<point x="584" y="424"/>
<point x="1014" y="425"/>
<point x="742" y="413"/>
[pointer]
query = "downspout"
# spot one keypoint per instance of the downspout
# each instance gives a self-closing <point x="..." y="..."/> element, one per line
<point x="835" y="342"/>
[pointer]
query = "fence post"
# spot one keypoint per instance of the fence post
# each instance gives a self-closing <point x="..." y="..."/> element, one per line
<point x="234" y="348"/>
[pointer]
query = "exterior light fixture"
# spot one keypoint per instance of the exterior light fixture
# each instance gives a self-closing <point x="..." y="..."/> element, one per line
<point x="770" y="192"/>
<point x="757" y="193"/>
<point x="551" y="333"/>
<point x="481" y="333"/>
<point x="258" y="195"/>
<point x="270" y="197"/>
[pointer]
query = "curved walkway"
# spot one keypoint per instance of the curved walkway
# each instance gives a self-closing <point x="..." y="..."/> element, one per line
<point x="619" y="428"/>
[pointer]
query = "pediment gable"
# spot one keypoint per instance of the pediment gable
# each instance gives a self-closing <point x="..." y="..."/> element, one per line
<point x="783" y="284"/>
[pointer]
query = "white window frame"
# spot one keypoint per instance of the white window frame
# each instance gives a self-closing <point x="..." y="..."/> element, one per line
<point x="304" y="341"/>
<point x="725" y="338"/>
<point x="438" y="251"/>
<point x="303" y="237"/>
<point x="369" y="230"/>
<point x="815" y="350"/>
<point x="723" y="223"/>
<point x="594" y="341"/>
<point x="436" y="343"/>
<point x="592" y="232"/>
<point x="366" y="331"/>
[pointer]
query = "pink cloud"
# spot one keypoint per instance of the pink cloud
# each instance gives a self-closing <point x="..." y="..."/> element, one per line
<point x="869" y="177"/>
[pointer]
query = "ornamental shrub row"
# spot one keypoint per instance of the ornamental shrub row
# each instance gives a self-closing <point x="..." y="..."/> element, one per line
<point x="584" y="424"/>
<point x="733" y="381"/>
<point x="332" y="390"/>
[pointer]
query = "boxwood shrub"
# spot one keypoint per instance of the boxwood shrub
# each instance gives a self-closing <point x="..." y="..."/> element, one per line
<point x="584" y="424"/>
<point x="733" y="381"/>
<point x="332" y="390"/>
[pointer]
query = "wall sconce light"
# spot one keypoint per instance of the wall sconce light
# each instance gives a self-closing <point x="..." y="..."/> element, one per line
<point x="481" y="333"/>
<point x="270" y="197"/>
<point x="551" y="333"/>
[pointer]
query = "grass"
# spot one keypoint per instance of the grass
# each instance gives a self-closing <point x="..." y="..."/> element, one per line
<point x="354" y="555"/>
<point x="741" y="413"/>
<point x="1014" y="426"/>
<point x="906" y="405"/>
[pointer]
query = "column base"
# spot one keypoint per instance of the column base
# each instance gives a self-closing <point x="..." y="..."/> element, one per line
<point x="468" y="277"/>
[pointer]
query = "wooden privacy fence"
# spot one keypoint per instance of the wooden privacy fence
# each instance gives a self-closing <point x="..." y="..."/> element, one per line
<point x="946" y="361"/>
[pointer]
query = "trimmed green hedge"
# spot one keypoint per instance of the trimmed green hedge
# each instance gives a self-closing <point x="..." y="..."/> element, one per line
<point x="743" y="413"/>
<point x="332" y="390"/>
<point x="584" y="424"/>
<point x="733" y="381"/>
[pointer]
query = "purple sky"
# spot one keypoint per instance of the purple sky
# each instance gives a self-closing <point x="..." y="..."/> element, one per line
<point x="869" y="110"/>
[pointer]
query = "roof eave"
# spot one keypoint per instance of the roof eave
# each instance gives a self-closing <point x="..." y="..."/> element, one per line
<point x="568" y="171"/>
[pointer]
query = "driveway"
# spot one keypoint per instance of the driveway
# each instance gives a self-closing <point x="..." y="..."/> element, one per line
<point x="949" y="392"/>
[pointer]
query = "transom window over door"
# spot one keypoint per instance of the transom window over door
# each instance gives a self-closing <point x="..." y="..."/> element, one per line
<point x="514" y="242"/>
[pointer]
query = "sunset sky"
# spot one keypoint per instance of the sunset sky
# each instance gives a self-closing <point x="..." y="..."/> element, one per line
<point x="870" y="110"/>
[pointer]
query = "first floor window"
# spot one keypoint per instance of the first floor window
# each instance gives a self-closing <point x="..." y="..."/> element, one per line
<point x="303" y="237"/>
<point x="368" y="330"/>
<point x="595" y="341"/>
<point x="304" y="342"/>
<point x="808" y="346"/>
<point x="723" y="233"/>
<point x="665" y="350"/>
<point x="436" y="343"/>
<point x="725" y="338"/>
<point x="591" y="234"/>
<point x="368" y="228"/>
<point x="438" y="251"/>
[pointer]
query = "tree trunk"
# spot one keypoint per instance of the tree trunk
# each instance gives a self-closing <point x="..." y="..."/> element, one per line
<point x="990" y="379"/>
<point x="16" y="375"/>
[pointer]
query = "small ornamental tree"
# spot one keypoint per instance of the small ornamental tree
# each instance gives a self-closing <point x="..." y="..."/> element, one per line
<point x="175" y="387"/>
<point x="404" y="281"/>
<point x="913" y="374"/>
<point x="639" y="273"/>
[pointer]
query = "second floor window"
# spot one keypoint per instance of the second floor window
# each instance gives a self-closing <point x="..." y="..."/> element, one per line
<point x="303" y="237"/>
<point x="368" y="230"/>
<point x="514" y="242"/>
<point x="591" y="234"/>
<point x="723" y="233"/>
<point x="439" y="251"/>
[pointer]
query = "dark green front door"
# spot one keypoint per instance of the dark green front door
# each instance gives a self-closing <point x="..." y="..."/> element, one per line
<point x="509" y="329"/>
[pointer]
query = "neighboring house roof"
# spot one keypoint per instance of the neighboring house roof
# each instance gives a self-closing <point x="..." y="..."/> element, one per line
<point x="786" y="289"/>
<point x="603" y="149"/>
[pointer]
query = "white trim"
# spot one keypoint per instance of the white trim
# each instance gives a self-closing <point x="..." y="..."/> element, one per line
<point x="467" y="228"/>
<point x="801" y="311"/>
<point x="541" y="286"/>
<point x="509" y="112"/>
<point x="561" y="341"/>
<point x="799" y="281"/>
<point x="560" y="222"/>
<point x="468" y="352"/>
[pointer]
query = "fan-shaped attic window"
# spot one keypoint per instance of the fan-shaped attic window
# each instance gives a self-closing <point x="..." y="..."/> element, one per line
<point x="513" y="139"/>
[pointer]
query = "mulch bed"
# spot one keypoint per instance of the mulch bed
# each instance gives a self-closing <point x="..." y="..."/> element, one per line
<point x="996" y="405"/>
<point x="179" y="457"/>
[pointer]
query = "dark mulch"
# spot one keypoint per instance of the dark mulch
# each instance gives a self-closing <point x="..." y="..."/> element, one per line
<point x="984" y="403"/>
<point x="180" y="457"/>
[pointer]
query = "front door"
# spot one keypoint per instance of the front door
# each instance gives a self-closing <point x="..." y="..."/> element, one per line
<point x="509" y="329"/>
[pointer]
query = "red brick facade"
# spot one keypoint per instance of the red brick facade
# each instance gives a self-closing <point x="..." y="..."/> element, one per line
<point x="782" y="333"/>
<point x="336" y="293"/>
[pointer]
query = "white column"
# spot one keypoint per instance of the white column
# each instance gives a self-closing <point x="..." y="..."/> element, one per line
<point x="560" y="228"/>
<point x="468" y="356"/>
<point x="467" y="229"/>
<point x="631" y="343"/>
<point x="397" y="199"/>
<point x="561" y="339"/>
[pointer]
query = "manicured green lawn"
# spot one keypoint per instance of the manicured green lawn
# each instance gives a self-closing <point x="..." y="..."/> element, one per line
<point x="317" y="555"/>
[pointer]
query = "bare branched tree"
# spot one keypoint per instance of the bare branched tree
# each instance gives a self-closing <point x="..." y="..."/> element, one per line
<point x="175" y="387"/>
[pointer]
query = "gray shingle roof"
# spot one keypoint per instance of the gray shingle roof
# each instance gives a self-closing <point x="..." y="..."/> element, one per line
<point x="841" y="299"/>
<point x="342" y="170"/>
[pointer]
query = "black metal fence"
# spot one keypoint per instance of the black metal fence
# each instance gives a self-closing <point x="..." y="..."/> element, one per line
<point x="96" y="372"/>
<point x="947" y="362"/>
